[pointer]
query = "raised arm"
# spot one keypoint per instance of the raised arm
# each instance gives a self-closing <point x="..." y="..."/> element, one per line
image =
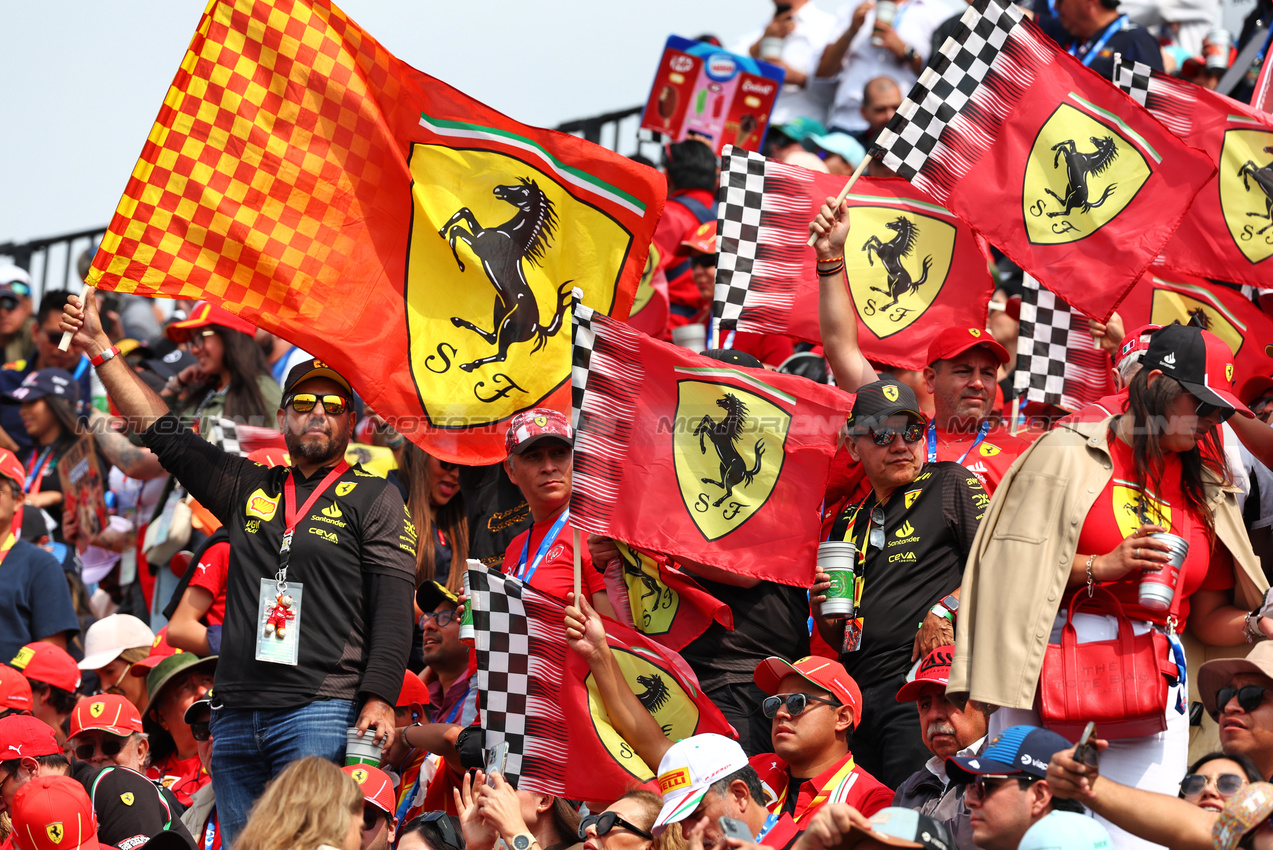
<point x="137" y="402"/>
<point x="837" y="316"/>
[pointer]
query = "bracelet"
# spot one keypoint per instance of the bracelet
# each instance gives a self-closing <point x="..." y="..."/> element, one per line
<point x="838" y="259"/>
<point x="1250" y="628"/>
<point x="1090" y="590"/>
<point x="108" y="354"/>
<point x="832" y="270"/>
<point x="941" y="610"/>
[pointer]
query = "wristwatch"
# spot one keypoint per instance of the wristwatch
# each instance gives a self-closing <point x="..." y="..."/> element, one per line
<point x="523" y="841"/>
<point x="952" y="603"/>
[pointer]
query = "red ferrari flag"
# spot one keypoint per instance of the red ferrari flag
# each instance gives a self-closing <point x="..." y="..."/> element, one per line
<point x="1062" y="171"/>
<point x="1228" y="232"/>
<point x="1164" y="296"/>
<point x="420" y="242"/>
<point x="659" y="600"/>
<point x="687" y="456"/>
<point x="914" y="267"/>
<point x="539" y="697"/>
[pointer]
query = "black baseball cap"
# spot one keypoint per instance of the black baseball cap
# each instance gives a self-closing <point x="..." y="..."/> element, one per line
<point x="1199" y="360"/>
<point x="1017" y="749"/>
<point x="878" y="401"/>
<point x="43" y="382"/>
<point x="315" y="368"/>
<point x="169" y="365"/>
<point x="431" y="593"/>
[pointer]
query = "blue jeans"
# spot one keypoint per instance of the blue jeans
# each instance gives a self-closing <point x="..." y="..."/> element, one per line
<point x="252" y="747"/>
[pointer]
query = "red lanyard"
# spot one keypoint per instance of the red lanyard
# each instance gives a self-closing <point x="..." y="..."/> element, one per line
<point x="291" y="516"/>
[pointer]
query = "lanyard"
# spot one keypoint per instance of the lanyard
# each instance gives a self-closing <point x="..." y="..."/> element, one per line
<point x="210" y="831"/>
<point x="36" y="475"/>
<point x="291" y="516"/>
<point x="1091" y="52"/>
<point x="932" y="441"/>
<point x="770" y="823"/>
<point x="544" y="545"/>
<point x="458" y="707"/>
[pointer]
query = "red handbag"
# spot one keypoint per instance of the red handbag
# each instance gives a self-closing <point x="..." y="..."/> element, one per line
<point x="1119" y="684"/>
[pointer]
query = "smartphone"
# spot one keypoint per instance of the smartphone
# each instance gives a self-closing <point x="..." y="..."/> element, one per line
<point x="496" y="762"/>
<point x="734" y="828"/>
<point x="782" y="9"/>
<point x="1085" y="753"/>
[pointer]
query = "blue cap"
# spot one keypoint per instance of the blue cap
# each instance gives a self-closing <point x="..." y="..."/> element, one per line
<point x="38" y="384"/>
<point x="1017" y="749"/>
<point x="1066" y="831"/>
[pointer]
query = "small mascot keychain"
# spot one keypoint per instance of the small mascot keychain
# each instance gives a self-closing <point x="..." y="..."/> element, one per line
<point x="279" y="614"/>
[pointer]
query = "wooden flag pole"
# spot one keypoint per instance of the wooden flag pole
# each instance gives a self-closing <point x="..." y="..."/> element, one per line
<point x="1016" y="413"/>
<point x="65" y="344"/>
<point x="578" y="568"/>
<point x="844" y="193"/>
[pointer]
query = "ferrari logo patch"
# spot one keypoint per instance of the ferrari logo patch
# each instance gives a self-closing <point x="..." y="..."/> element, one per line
<point x="1246" y="191"/>
<point x="126" y="798"/>
<point x="890" y="392"/>
<point x="55" y="832"/>
<point x="344" y="488"/>
<point x="96" y="709"/>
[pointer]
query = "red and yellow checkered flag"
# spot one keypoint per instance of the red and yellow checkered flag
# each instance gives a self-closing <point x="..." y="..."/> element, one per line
<point x="422" y="243"/>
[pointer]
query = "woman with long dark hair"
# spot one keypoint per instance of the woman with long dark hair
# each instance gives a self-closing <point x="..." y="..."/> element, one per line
<point x="1082" y="511"/>
<point x="437" y="509"/>
<point x="231" y="379"/>
<point x="47" y="398"/>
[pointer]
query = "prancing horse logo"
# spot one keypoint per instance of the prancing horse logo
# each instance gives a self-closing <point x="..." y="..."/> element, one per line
<point x="1078" y="167"/>
<point x="1263" y="177"/>
<point x="724" y="434"/>
<point x="501" y="250"/>
<point x="891" y="253"/>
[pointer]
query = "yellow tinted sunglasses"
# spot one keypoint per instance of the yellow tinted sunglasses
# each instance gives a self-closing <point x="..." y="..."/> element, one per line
<point x="305" y="402"/>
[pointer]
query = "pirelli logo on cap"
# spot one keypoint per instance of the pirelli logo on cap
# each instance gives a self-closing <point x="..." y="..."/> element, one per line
<point x="262" y="506"/>
<point x="674" y="779"/>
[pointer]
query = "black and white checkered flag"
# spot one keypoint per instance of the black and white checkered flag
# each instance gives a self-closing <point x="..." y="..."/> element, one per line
<point x="1057" y="360"/>
<point x="580" y="359"/>
<point x="1133" y="78"/>
<point x="224" y="433"/>
<point x="742" y="188"/>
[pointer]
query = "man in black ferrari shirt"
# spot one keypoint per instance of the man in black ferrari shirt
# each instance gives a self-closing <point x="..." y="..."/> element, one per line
<point x="318" y="617"/>
<point x="913" y="532"/>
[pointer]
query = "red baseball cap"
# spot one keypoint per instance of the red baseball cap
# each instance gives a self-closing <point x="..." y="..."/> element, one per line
<point x="702" y="240"/>
<point x="23" y="736"/>
<point x="823" y="672"/>
<point x="1133" y="342"/>
<point x="203" y="315"/>
<point x="953" y="342"/>
<point x="15" y="690"/>
<point x="934" y="669"/>
<point x="159" y="650"/>
<point x="11" y="467"/>
<point x="1255" y="389"/>
<point x="53" y="813"/>
<point x="44" y="662"/>
<point x="413" y="691"/>
<point x="531" y="427"/>
<point x="108" y="712"/>
<point x="376" y="786"/>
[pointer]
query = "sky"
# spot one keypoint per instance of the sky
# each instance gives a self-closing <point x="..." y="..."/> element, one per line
<point x="84" y="81"/>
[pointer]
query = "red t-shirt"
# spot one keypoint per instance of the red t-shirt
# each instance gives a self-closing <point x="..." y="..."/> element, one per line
<point x="843" y="782"/>
<point x="1115" y="515"/>
<point x="182" y="777"/>
<point x="210" y="575"/>
<point x="555" y="574"/>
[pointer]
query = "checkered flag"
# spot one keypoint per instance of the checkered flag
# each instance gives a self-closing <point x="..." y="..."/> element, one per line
<point x="224" y="433"/>
<point x="1057" y="361"/>
<point x="742" y="192"/>
<point x="1133" y="78"/>
<point x="581" y="357"/>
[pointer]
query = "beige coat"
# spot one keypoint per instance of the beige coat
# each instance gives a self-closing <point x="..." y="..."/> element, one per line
<point x="1021" y="558"/>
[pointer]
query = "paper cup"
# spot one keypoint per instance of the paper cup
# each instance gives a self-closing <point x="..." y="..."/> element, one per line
<point x="692" y="336"/>
<point x="838" y="559"/>
<point x="771" y="47"/>
<point x="468" y="635"/>
<point x="362" y="750"/>
<point x="1158" y="587"/>
<point x="885" y="13"/>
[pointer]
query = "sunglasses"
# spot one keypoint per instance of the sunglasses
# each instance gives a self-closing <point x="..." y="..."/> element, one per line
<point x="796" y="704"/>
<point x="607" y="821"/>
<point x="442" y="618"/>
<point x="305" y="402"/>
<point x="1249" y="697"/>
<point x="911" y="434"/>
<point x="371" y="816"/>
<point x="199" y="731"/>
<point x="876" y="539"/>
<point x="9" y="303"/>
<point x="110" y="748"/>
<point x="983" y="786"/>
<point x="701" y="261"/>
<point x="1226" y="784"/>
<point x="1205" y="409"/>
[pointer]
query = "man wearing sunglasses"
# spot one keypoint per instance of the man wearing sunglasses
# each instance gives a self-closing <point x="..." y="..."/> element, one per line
<point x="200" y="817"/>
<point x="106" y="729"/>
<point x="1238" y="694"/>
<point x="345" y="575"/>
<point x="15" y="313"/>
<point x="913" y="531"/>
<point x="379" y="826"/>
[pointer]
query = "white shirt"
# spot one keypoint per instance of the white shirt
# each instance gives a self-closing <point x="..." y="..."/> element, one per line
<point x="937" y="766"/>
<point x="915" y="23"/>
<point x="800" y="51"/>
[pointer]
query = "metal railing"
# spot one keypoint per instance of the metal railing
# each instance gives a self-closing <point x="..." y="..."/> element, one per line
<point x="52" y="261"/>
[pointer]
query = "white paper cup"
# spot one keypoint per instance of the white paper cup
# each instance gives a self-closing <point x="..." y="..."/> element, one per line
<point x="885" y="13"/>
<point x="771" y="47"/>
<point x="1158" y="587"/>
<point x="838" y="559"/>
<point x="362" y="750"/>
<point x="692" y="336"/>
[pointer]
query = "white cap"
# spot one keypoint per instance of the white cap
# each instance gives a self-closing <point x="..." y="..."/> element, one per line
<point x="13" y="274"/>
<point x="1066" y="831"/>
<point x="110" y="636"/>
<point x="689" y="768"/>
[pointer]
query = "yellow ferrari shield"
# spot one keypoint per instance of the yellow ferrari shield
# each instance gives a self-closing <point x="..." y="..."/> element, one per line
<point x="127" y="798"/>
<point x="890" y="392"/>
<point x="1175" y="305"/>
<point x="497" y="245"/>
<point x="1127" y="508"/>
<point x="1246" y="191"/>
<point x="988" y="450"/>
<point x="911" y="496"/>
<point x="1082" y="172"/>
<point x="728" y="448"/>
<point x="344" y="488"/>
<point x="359" y="775"/>
<point x="96" y="708"/>
<point x="55" y="832"/>
<point x="897" y="261"/>
<point x="662" y="696"/>
<point x="653" y="603"/>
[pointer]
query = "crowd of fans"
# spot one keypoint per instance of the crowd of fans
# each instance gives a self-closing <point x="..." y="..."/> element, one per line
<point x="274" y="583"/>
